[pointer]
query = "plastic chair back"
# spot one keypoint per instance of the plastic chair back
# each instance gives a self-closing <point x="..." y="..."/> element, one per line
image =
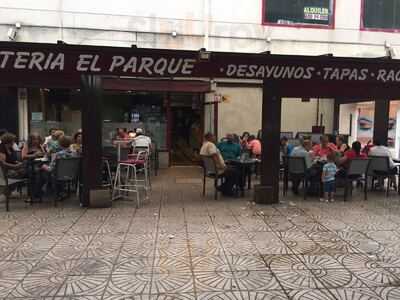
<point x="67" y="168"/>
<point x="3" y="178"/>
<point x="378" y="164"/>
<point x="210" y="168"/>
<point x="358" y="166"/>
<point x="296" y="165"/>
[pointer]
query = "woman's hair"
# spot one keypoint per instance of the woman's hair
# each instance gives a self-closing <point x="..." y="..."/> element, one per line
<point x="341" y="138"/>
<point x="245" y="133"/>
<point x="33" y="136"/>
<point x="76" y="136"/>
<point x="251" y="137"/>
<point x="65" y="141"/>
<point x="8" y="138"/>
<point x="356" y="146"/>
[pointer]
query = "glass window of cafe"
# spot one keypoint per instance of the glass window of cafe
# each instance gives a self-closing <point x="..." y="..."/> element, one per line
<point x="132" y="110"/>
<point x="299" y="13"/>
<point x="53" y="108"/>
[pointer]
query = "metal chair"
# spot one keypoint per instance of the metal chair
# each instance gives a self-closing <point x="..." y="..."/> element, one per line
<point x="210" y="171"/>
<point x="126" y="177"/>
<point x="7" y="184"/>
<point x="65" y="173"/>
<point x="357" y="171"/>
<point x="379" y="168"/>
<point x="297" y="170"/>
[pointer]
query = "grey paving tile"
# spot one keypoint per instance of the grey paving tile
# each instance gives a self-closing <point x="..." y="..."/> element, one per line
<point x="357" y="293"/>
<point x="376" y="277"/>
<point x="77" y="285"/>
<point x="311" y="294"/>
<point x="246" y="263"/>
<point x="297" y="278"/>
<point x="256" y="280"/>
<point x="215" y="281"/>
<point x="305" y="247"/>
<point x="388" y="293"/>
<point x="211" y="264"/>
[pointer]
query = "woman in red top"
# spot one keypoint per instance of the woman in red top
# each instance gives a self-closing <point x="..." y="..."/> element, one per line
<point x="355" y="152"/>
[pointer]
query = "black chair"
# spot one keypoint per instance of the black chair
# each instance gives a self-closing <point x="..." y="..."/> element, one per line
<point x="210" y="171"/>
<point x="66" y="172"/>
<point x="379" y="169"/>
<point x="357" y="171"/>
<point x="7" y="184"/>
<point x="297" y="170"/>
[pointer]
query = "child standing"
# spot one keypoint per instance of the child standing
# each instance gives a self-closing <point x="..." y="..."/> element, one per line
<point x="328" y="178"/>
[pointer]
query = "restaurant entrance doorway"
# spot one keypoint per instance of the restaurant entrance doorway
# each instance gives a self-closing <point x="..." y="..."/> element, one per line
<point x="186" y="129"/>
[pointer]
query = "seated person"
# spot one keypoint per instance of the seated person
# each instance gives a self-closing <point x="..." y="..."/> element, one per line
<point x="380" y="149"/>
<point x="355" y="152"/>
<point x="230" y="174"/>
<point x="304" y="150"/>
<point x="49" y="137"/>
<point x="53" y="145"/>
<point x="63" y="152"/>
<point x="48" y="170"/>
<point x="8" y="157"/>
<point x="254" y="145"/>
<point x="286" y="148"/>
<point x="229" y="149"/>
<point x="243" y="140"/>
<point x="341" y="144"/>
<point x="121" y="134"/>
<point x="77" y="145"/>
<point x="141" y="140"/>
<point x="33" y="148"/>
<point x="325" y="148"/>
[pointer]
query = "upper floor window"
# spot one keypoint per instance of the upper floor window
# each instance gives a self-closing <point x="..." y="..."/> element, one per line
<point x="308" y="13"/>
<point x="381" y="15"/>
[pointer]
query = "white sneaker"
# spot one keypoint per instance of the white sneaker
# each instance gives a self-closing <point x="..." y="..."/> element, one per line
<point x="322" y="200"/>
<point x="332" y="200"/>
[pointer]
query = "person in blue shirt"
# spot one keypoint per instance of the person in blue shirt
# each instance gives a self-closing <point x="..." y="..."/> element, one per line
<point x="286" y="148"/>
<point x="328" y="178"/>
<point x="229" y="149"/>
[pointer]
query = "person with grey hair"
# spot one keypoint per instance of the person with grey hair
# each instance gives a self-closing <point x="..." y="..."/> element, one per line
<point x="141" y="140"/>
<point x="304" y="150"/>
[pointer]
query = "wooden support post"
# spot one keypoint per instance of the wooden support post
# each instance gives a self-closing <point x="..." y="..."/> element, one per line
<point x="268" y="190"/>
<point x="336" y="116"/>
<point x="381" y="119"/>
<point x="92" y="126"/>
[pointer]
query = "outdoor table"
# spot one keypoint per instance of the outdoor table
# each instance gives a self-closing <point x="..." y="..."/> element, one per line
<point x="245" y="167"/>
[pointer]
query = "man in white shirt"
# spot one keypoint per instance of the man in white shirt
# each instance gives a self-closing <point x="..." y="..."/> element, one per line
<point x="141" y="140"/>
<point x="381" y="150"/>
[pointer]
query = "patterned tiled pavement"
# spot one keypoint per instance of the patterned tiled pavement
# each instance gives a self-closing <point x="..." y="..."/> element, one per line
<point x="183" y="246"/>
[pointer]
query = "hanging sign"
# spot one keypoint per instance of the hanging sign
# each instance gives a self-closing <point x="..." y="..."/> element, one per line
<point x="34" y="60"/>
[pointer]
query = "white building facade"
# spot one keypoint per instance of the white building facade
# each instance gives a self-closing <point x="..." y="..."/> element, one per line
<point x="311" y="27"/>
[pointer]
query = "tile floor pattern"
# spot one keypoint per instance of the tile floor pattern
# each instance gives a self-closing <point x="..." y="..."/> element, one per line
<point x="182" y="246"/>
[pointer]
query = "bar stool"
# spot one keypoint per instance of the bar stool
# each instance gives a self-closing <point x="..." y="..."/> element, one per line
<point x="128" y="184"/>
<point x="141" y="161"/>
<point x="107" y="173"/>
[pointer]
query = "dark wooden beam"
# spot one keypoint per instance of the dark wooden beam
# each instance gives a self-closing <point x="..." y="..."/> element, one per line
<point x="268" y="190"/>
<point x="9" y="110"/>
<point x="381" y="119"/>
<point x="336" y="115"/>
<point x="92" y="126"/>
